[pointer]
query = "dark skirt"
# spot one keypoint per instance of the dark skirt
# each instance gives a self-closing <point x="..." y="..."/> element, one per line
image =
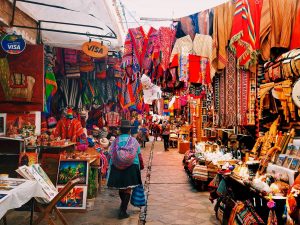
<point x="121" y="179"/>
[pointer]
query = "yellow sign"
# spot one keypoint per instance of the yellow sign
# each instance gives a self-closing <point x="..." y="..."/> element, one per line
<point x="95" y="49"/>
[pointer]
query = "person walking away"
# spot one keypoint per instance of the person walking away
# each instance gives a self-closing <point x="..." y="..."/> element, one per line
<point x="126" y="163"/>
<point x="135" y="127"/>
<point x="166" y="134"/>
<point x="156" y="131"/>
<point x="145" y="135"/>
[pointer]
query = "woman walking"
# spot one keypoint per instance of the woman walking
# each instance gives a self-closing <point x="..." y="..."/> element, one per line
<point x="126" y="164"/>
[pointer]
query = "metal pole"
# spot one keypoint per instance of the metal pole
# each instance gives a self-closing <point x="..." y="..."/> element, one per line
<point x="13" y="13"/>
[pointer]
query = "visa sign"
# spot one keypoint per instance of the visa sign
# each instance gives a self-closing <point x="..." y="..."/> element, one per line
<point x="95" y="49"/>
<point x="13" y="44"/>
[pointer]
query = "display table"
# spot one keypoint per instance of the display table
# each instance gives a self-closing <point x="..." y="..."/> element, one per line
<point x="183" y="147"/>
<point x="19" y="194"/>
<point x="242" y="192"/>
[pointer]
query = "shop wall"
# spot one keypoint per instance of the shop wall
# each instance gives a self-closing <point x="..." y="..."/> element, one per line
<point x="21" y="19"/>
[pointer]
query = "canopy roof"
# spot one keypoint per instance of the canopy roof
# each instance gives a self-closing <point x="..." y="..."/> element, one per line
<point x="97" y="17"/>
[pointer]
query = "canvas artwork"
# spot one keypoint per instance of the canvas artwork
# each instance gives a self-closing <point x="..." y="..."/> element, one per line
<point x="68" y="169"/>
<point x="25" y="172"/>
<point x="49" y="190"/>
<point x="295" y="164"/>
<point x="15" y="122"/>
<point x="281" y="159"/>
<point x="28" y="158"/>
<point x="75" y="199"/>
<point x="42" y="173"/>
<point x="288" y="162"/>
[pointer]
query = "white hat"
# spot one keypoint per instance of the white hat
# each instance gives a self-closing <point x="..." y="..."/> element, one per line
<point x="104" y="142"/>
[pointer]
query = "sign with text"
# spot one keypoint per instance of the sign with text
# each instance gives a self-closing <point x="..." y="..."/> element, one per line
<point x="95" y="49"/>
<point x="13" y="44"/>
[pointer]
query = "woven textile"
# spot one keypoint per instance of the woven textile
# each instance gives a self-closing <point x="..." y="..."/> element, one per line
<point x="216" y="93"/>
<point x="166" y="40"/>
<point x="222" y="99"/>
<point x="244" y="96"/>
<point x="244" y="32"/>
<point x="200" y="172"/>
<point x="230" y="89"/>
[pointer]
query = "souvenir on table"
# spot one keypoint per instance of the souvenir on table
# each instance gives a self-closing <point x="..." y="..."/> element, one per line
<point x="75" y="199"/>
<point x="69" y="169"/>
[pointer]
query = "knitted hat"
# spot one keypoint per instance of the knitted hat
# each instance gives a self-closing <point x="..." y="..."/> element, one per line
<point x="69" y="113"/>
<point x="51" y="122"/>
<point x="104" y="142"/>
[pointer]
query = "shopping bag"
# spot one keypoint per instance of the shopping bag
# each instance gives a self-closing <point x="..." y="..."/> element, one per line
<point x="138" y="198"/>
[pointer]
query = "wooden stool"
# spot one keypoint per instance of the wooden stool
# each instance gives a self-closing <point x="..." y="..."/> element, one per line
<point x="46" y="209"/>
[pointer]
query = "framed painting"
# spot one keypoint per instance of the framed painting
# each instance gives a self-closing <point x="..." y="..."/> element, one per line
<point x="287" y="162"/>
<point x="28" y="158"/>
<point x="281" y="159"/>
<point x="295" y="164"/>
<point x="16" y="122"/>
<point x="68" y="169"/>
<point x="2" y="124"/>
<point x="75" y="199"/>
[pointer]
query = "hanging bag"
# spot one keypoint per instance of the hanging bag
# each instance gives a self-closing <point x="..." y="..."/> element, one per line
<point x="138" y="198"/>
<point x="123" y="157"/>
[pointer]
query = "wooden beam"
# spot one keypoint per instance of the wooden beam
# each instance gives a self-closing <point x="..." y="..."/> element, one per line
<point x="20" y="18"/>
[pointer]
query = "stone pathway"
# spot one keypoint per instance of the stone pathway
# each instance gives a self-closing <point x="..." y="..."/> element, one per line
<point x="171" y="198"/>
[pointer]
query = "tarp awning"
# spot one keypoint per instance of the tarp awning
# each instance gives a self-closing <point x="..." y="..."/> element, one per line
<point x="97" y="15"/>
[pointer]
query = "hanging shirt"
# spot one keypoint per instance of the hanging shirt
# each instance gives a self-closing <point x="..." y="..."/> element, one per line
<point x="199" y="69"/>
<point x="201" y="46"/>
<point x="113" y="119"/>
<point x="138" y="49"/>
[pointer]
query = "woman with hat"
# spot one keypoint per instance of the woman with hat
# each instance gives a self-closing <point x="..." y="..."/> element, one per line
<point x="126" y="164"/>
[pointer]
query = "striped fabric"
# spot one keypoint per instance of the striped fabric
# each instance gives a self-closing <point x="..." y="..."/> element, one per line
<point x="200" y="172"/>
<point x="138" y="198"/>
<point x="243" y="35"/>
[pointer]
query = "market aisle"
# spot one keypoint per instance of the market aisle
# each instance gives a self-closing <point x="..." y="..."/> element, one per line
<point x="172" y="199"/>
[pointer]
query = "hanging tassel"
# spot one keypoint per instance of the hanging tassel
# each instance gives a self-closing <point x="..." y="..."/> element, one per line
<point x="272" y="219"/>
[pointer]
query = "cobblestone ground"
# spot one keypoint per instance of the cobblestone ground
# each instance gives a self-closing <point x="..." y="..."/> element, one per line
<point x="171" y="198"/>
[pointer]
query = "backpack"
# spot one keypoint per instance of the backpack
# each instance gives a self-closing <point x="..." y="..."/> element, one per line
<point x="123" y="157"/>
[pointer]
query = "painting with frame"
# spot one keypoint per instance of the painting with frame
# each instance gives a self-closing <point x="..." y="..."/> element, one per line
<point x="75" y="199"/>
<point x="68" y="169"/>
